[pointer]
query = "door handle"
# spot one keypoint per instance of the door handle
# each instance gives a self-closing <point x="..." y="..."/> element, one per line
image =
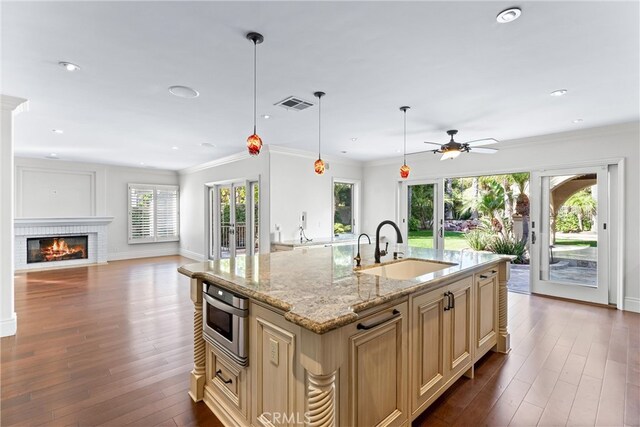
<point x="533" y="237"/>
<point x="441" y="232"/>
<point x="448" y="306"/>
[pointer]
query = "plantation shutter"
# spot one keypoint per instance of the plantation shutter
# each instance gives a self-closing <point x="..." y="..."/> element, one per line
<point x="153" y="213"/>
<point x="166" y="213"/>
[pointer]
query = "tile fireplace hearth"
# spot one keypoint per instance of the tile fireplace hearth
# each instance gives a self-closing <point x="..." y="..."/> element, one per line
<point x="42" y="243"/>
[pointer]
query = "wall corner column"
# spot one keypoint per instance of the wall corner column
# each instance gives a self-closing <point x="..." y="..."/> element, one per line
<point x="196" y="385"/>
<point x="10" y="106"/>
<point x="504" y="338"/>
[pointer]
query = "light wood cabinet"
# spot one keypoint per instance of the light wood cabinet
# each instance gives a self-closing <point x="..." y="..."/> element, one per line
<point x="441" y="343"/>
<point x="378" y="369"/>
<point x="226" y="388"/>
<point x="486" y="311"/>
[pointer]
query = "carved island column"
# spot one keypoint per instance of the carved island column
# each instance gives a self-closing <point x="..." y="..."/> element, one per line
<point x="196" y="388"/>
<point x="504" y="338"/>
<point x="321" y="400"/>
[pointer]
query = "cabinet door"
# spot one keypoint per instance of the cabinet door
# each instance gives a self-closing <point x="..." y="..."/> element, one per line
<point x="378" y="370"/>
<point x="428" y="368"/>
<point x="486" y="331"/>
<point x="459" y="327"/>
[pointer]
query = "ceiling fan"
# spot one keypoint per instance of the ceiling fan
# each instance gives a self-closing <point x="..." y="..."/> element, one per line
<point x="452" y="149"/>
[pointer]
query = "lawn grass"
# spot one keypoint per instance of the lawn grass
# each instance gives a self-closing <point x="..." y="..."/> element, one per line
<point x="453" y="240"/>
<point x="571" y="242"/>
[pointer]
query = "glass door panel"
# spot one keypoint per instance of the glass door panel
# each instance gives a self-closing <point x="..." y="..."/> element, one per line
<point x="421" y="212"/>
<point x="569" y="237"/>
<point x="343" y="217"/>
<point x="240" y="222"/>
<point x="226" y="227"/>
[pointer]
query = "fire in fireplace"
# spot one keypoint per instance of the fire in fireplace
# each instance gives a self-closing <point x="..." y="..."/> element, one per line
<point x="43" y="249"/>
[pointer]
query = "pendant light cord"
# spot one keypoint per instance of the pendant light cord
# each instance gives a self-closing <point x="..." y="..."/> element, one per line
<point x="255" y="83"/>
<point x="319" y="124"/>
<point x="405" y="137"/>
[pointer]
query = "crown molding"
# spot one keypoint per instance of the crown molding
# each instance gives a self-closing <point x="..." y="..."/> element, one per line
<point x="537" y="141"/>
<point x="219" y="162"/>
<point x="13" y="103"/>
<point x="278" y="149"/>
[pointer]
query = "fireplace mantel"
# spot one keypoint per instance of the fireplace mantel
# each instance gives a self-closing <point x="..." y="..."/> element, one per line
<point x="54" y="222"/>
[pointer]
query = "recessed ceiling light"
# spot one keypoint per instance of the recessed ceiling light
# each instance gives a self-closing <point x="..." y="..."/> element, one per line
<point x="354" y="139"/>
<point x="343" y="152"/>
<point x="57" y="131"/>
<point x="174" y="148"/>
<point x="398" y="151"/>
<point x="68" y="66"/>
<point x="52" y="156"/>
<point x="141" y="163"/>
<point x="558" y="92"/>
<point x="208" y="145"/>
<point x="265" y="116"/>
<point x="578" y="121"/>
<point x="508" y="15"/>
<point x="183" y="92"/>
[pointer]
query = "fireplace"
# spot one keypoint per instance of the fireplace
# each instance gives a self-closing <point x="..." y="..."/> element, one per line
<point x="60" y="248"/>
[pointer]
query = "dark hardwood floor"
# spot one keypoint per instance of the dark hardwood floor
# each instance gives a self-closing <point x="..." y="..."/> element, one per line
<point x="112" y="345"/>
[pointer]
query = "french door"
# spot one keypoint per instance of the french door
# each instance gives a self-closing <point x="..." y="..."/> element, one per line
<point x="233" y="219"/>
<point x="421" y="213"/>
<point x="568" y="235"/>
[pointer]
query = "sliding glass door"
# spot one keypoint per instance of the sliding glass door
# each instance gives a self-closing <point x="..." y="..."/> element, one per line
<point x="569" y="236"/>
<point x="421" y="212"/>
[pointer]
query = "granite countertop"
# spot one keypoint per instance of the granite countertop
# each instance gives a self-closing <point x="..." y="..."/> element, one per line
<point x="319" y="290"/>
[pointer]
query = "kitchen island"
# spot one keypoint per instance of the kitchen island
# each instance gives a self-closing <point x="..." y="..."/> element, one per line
<point x="330" y="345"/>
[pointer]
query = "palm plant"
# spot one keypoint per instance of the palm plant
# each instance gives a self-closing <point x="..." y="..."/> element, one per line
<point x="582" y="204"/>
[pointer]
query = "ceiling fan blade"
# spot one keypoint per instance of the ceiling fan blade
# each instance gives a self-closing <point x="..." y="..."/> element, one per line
<point x="435" y="145"/>
<point x="481" y="142"/>
<point x="482" y="150"/>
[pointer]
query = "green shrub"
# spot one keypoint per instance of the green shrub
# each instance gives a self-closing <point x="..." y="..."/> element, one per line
<point x="567" y="222"/>
<point x="478" y="239"/>
<point x="414" y="224"/>
<point x="341" y="228"/>
<point x="510" y="246"/>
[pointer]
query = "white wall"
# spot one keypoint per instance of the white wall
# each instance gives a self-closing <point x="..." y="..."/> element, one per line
<point x="296" y="188"/>
<point x="194" y="195"/>
<point x="9" y="107"/>
<point x="535" y="153"/>
<point x="69" y="189"/>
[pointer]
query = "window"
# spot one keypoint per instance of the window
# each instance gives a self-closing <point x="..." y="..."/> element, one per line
<point x="344" y="208"/>
<point x="153" y="213"/>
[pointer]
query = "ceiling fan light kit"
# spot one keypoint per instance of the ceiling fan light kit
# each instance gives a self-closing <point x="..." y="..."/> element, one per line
<point x="452" y="149"/>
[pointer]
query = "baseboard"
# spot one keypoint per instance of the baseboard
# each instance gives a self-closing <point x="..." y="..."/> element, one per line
<point x="191" y="255"/>
<point x="632" y="304"/>
<point x="8" y="327"/>
<point x="117" y="256"/>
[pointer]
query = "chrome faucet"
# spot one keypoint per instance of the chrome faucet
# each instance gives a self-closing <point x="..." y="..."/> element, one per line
<point x="378" y="252"/>
<point x="357" y="259"/>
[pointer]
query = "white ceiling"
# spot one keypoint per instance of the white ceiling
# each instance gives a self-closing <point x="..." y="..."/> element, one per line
<point x="450" y="61"/>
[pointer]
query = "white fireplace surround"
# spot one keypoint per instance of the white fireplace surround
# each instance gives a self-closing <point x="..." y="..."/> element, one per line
<point x="95" y="227"/>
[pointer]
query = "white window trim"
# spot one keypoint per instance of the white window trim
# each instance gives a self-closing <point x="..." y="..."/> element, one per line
<point x="154" y="238"/>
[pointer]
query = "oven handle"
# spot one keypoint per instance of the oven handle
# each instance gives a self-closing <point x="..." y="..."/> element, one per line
<point x="224" y="307"/>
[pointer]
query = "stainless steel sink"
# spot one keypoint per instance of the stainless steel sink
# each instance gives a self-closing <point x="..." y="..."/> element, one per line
<point x="406" y="269"/>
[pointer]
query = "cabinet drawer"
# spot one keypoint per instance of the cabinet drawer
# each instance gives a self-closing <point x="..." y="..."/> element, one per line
<point x="227" y="382"/>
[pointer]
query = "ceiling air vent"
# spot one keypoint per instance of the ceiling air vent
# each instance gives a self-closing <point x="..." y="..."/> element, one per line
<point x="293" y="103"/>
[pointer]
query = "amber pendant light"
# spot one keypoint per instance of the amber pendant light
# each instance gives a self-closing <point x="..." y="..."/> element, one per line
<point x="404" y="169"/>
<point x="318" y="166"/>
<point x="254" y="142"/>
